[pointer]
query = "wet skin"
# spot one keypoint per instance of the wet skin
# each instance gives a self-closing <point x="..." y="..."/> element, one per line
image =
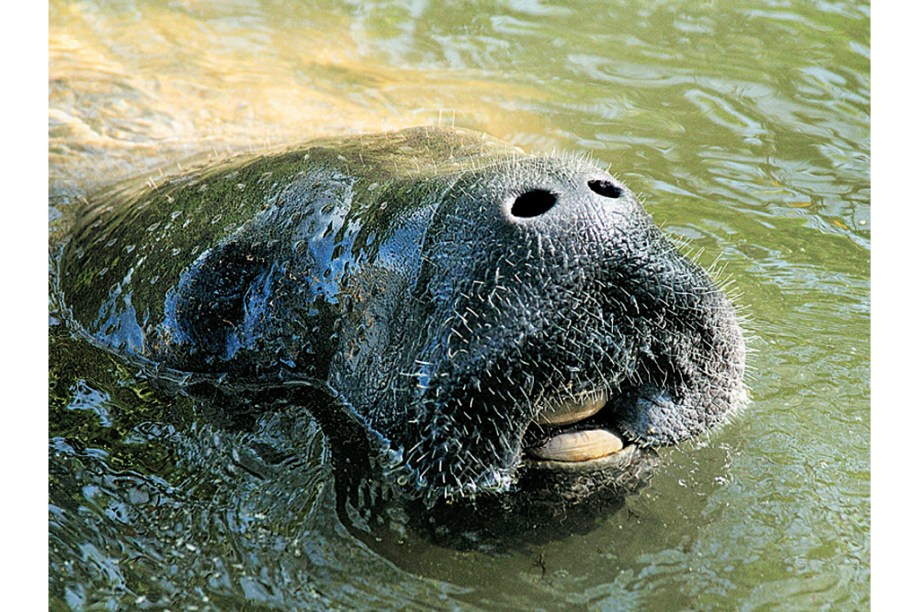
<point x="492" y="319"/>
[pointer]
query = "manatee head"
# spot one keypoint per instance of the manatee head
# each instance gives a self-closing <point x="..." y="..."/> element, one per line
<point x="495" y="320"/>
<point x="547" y="327"/>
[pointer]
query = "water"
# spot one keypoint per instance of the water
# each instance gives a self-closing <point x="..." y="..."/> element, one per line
<point x="743" y="124"/>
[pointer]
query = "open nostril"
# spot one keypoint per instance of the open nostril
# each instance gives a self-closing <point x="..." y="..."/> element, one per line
<point x="605" y="188"/>
<point x="533" y="203"/>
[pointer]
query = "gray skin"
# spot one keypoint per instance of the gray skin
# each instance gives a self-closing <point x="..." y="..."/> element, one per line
<point x="446" y="287"/>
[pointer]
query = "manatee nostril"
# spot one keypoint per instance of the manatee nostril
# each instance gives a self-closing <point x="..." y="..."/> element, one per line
<point x="605" y="188"/>
<point x="533" y="203"/>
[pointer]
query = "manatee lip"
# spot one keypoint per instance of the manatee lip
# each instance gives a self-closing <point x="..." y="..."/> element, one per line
<point x="572" y="411"/>
<point x="576" y="432"/>
<point x="578" y="445"/>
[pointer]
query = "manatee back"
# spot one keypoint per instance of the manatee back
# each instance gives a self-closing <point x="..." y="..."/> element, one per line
<point x="242" y="262"/>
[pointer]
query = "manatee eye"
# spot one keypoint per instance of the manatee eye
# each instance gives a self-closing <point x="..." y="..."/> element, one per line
<point x="605" y="188"/>
<point x="533" y="203"/>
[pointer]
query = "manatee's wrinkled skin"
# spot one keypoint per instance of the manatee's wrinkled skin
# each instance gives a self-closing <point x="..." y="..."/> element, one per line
<point x="447" y="287"/>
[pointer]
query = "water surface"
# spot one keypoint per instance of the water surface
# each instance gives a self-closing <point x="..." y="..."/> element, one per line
<point x="744" y="125"/>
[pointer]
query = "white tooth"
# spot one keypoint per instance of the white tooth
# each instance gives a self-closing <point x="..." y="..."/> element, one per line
<point x="579" y="446"/>
<point x="572" y="411"/>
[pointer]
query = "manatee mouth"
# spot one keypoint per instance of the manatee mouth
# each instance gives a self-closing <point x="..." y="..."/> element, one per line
<point x="577" y="432"/>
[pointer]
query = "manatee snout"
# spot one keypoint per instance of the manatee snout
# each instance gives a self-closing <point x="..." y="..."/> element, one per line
<point x="495" y="319"/>
<point x="561" y="328"/>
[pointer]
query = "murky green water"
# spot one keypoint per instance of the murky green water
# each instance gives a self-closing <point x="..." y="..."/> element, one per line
<point x="743" y="124"/>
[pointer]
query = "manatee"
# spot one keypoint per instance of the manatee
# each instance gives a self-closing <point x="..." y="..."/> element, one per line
<point x="493" y="319"/>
